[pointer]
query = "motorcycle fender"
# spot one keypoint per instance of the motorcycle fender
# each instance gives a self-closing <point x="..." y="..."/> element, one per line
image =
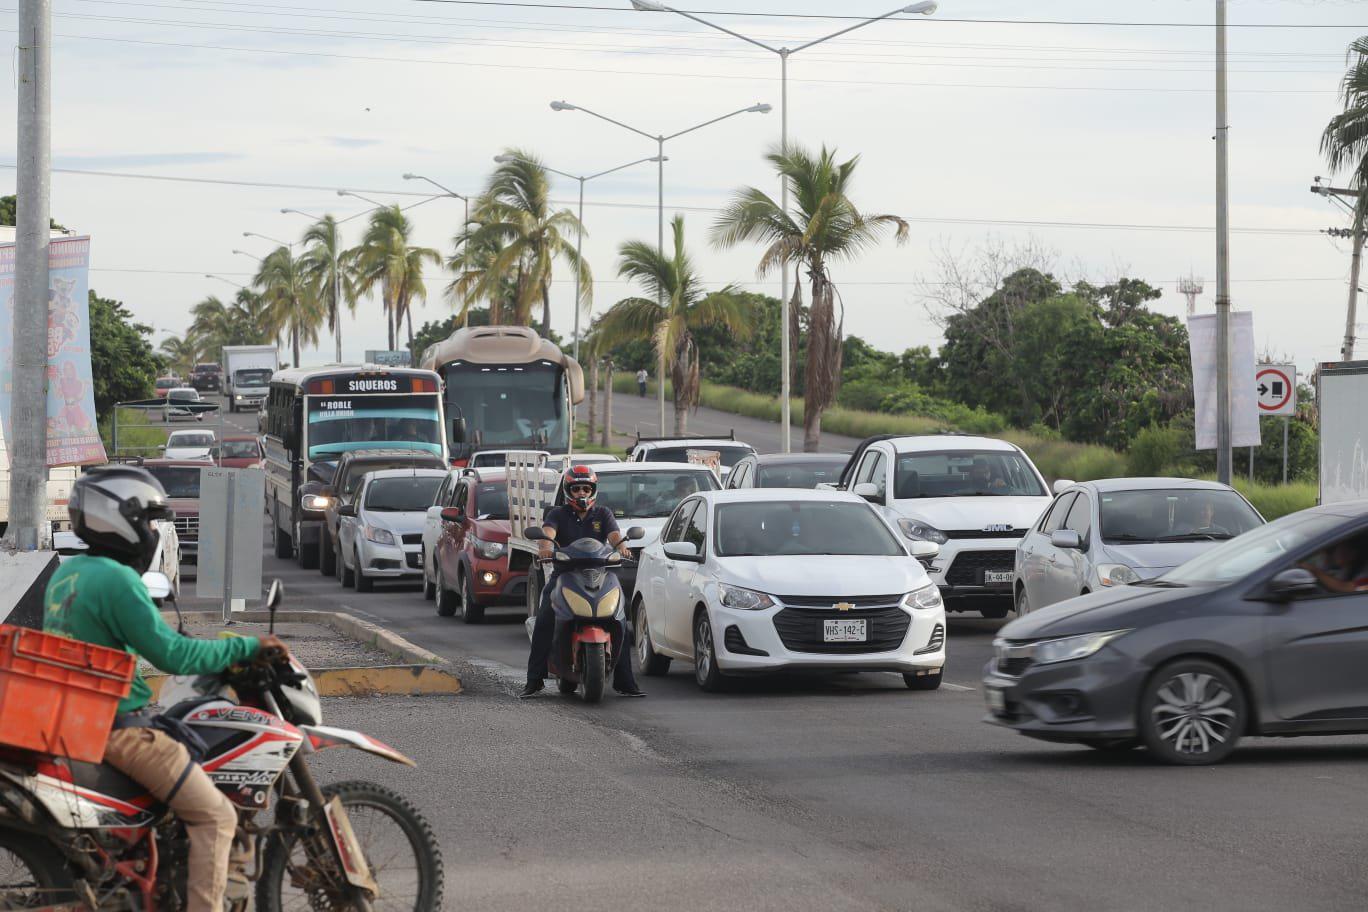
<point x="592" y="634"/>
<point x="353" y="858"/>
<point x="321" y="737"/>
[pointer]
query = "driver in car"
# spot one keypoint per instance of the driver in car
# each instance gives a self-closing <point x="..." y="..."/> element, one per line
<point x="982" y="480"/>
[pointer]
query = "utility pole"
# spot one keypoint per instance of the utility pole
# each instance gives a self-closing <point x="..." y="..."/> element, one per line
<point x="28" y="529"/>
<point x="1339" y="195"/>
<point x="1223" y="435"/>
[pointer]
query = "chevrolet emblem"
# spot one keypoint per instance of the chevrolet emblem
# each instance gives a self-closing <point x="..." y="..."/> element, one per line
<point x="843" y="606"/>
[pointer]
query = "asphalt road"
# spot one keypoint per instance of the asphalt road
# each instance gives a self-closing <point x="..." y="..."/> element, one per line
<point x="830" y="793"/>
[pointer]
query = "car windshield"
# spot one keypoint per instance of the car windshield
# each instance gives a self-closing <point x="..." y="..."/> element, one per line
<point x="184" y="395"/>
<point x="206" y="368"/>
<point x="240" y="449"/>
<point x="730" y="455"/>
<point x="650" y="495"/>
<point x="179" y="481"/>
<point x="338" y="425"/>
<point x="253" y="376"/>
<point x="1236" y="559"/>
<point x="491" y="501"/>
<point x="800" y="474"/>
<point x="965" y="473"/>
<point x="409" y="494"/>
<point x="359" y="469"/>
<point x="195" y="439"/>
<point x="520" y="405"/>
<point x="165" y="383"/>
<point x="490" y="459"/>
<point x="769" y="528"/>
<point x="1175" y="515"/>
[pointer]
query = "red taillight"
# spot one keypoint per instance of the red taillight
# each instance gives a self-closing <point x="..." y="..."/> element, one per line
<point x="424" y="385"/>
<point x="321" y="388"/>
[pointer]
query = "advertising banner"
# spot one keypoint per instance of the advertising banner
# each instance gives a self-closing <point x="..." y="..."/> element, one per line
<point x="73" y="438"/>
<point x="1244" y="397"/>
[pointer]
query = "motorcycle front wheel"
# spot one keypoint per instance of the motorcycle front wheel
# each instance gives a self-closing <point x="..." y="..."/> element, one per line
<point x="32" y="873"/>
<point x="299" y="874"/>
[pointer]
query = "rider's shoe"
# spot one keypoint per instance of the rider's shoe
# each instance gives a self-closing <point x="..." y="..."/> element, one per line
<point x="630" y="692"/>
<point x="532" y="689"/>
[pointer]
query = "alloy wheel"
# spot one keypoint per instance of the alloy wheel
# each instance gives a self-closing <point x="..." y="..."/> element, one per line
<point x="1195" y="715"/>
<point x="703" y="657"/>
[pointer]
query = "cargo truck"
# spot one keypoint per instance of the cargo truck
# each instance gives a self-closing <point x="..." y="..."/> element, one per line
<point x="1341" y="390"/>
<point x="247" y="373"/>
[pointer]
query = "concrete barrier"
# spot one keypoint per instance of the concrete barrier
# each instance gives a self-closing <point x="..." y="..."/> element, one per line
<point x="24" y="577"/>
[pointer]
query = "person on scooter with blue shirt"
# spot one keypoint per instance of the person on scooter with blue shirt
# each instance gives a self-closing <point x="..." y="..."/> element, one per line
<point x="580" y="517"/>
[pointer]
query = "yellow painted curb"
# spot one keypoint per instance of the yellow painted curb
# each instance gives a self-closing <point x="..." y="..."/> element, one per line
<point x="379" y="680"/>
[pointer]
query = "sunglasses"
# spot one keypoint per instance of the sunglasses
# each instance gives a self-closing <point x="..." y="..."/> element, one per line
<point x="581" y="489"/>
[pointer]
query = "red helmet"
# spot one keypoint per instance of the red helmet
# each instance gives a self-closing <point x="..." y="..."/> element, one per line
<point x="581" y="475"/>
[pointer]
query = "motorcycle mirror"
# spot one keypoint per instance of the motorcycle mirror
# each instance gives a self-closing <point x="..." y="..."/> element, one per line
<point x="635" y="533"/>
<point x="534" y="533"/>
<point x="273" y="598"/>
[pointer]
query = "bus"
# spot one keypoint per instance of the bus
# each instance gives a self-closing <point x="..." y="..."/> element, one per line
<point x="505" y="388"/>
<point x="314" y="415"/>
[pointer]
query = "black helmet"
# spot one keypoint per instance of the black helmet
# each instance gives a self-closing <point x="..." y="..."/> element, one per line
<point x="112" y="509"/>
<point x="581" y="475"/>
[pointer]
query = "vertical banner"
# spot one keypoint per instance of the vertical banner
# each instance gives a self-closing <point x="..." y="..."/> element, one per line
<point x="73" y="437"/>
<point x="1244" y="397"/>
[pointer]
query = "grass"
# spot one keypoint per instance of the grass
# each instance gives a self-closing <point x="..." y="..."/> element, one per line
<point x="583" y="445"/>
<point x="1274" y="500"/>
<point x="137" y="435"/>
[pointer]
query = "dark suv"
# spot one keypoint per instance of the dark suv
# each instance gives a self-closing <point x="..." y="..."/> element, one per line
<point x="206" y="378"/>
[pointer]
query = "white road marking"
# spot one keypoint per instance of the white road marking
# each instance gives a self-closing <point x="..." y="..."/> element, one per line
<point x="948" y="686"/>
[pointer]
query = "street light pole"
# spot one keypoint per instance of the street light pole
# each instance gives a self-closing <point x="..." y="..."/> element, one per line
<point x="1224" y="457"/>
<point x="925" y="8"/>
<point x="660" y="139"/>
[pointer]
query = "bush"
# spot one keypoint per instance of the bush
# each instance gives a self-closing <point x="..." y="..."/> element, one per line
<point x="1274" y="500"/>
<point x="1156" y="451"/>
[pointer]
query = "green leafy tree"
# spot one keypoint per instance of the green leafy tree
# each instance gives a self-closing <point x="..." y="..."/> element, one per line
<point x="122" y="363"/>
<point x="387" y="261"/>
<point x="294" y="309"/>
<point x="1345" y="147"/>
<point x="327" y="270"/>
<point x="179" y="354"/>
<point x="9" y="211"/>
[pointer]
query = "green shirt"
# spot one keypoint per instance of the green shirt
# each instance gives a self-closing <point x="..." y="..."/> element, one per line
<point x="101" y="601"/>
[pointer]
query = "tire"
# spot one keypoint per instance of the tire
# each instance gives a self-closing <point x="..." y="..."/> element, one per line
<point x="32" y="873"/>
<point x="429" y="587"/>
<point x="308" y="555"/>
<point x="1023" y="603"/>
<point x="923" y="682"/>
<point x="363" y="583"/>
<point x="595" y="674"/>
<point x="1192" y="713"/>
<point x="996" y="613"/>
<point x="706" y="673"/>
<point x="472" y="612"/>
<point x="447" y="603"/>
<point x="362" y="800"/>
<point x="284" y="546"/>
<point x="566" y="687"/>
<point x="651" y="663"/>
<point x="344" y="573"/>
<point x="327" y="554"/>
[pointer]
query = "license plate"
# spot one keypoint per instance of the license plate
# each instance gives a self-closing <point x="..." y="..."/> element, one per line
<point x="996" y="701"/>
<point x="843" y="631"/>
<point x="994" y="577"/>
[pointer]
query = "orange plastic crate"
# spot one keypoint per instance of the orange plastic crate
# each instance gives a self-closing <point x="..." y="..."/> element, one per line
<point x="59" y="695"/>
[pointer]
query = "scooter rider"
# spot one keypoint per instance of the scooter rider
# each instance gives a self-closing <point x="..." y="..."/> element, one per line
<point x="99" y="598"/>
<point x="579" y="518"/>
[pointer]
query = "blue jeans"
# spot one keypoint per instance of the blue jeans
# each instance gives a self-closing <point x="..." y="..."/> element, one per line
<point x="544" y="636"/>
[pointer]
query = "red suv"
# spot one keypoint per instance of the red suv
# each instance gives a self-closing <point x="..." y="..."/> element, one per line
<point x="467" y="532"/>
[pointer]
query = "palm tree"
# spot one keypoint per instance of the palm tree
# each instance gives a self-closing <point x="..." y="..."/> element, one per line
<point x="181" y="354"/>
<point x="251" y="319"/>
<point x="324" y="266"/>
<point x="1345" y="146"/>
<point x="670" y="325"/>
<point x="387" y="261"/>
<point x="515" y="238"/>
<point x="211" y="325"/>
<point x="823" y="226"/>
<point x="472" y="262"/>
<point x="295" y="309"/>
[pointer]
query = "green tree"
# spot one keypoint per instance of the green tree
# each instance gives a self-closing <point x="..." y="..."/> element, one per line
<point x="294" y="309"/>
<point x="9" y="210"/>
<point x="670" y="325"/>
<point x="180" y="354"/>
<point x="1344" y="143"/>
<point x="326" y="269"/>
<point x="122" y="364"/>
<point x="385" y="260"/>
<point x="824" y="226"/>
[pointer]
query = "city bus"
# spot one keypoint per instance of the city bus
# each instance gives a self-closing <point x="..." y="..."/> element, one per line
<point x="505" y="388"/>
<point x="314" y="415"/>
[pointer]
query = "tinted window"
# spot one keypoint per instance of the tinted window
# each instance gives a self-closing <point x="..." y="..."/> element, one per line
<point x="650" y="495"/>
<point x="675" y="530"/>
<point x="696" y="530"/>
<point x="1058" y="512"/>
<point x="802" y="528"/>
<point x="461" y="496"/>
<point x="183" y="395"/>
<point x="491" y="501"/>
<point x="1341" y="568"/>
<point x="965" y="473"/>
<point x="799" y="474"/>
<point x="240" y="449"/>
<point x="191" y="440"/>
<point x="402" y="495"/>
<point x="731" y="455"/>
<point x="1080" y="517"/>
<point x="357" y="470"/>
<point x="179" y="481"/>
<point x="1175" y="515"/>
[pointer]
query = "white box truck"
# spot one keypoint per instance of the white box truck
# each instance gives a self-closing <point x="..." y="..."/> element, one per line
<point x="247" y="373"/>
<point x="1341" y="391"/>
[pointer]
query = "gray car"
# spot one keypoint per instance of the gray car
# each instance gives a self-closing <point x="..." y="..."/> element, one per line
<point x="380" y="532"/>
<point x="1118" y="531"/>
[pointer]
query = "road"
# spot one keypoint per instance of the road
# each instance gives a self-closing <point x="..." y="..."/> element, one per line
<point x="830" y="793"/>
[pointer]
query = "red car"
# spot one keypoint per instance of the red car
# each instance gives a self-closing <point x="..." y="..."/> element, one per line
<point x="241" y="452"/>
<point x="465" y="547"/>
<point x="181" y="479"/>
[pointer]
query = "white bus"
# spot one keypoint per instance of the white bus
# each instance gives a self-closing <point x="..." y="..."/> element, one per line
<point x="314" y="415"/>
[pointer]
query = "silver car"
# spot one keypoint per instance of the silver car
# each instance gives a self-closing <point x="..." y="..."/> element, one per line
<point x="380" y="533"/>
<point x="1117" y="531"/>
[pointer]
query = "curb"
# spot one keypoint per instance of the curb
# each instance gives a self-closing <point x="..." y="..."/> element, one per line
<point x="375" y="681"/>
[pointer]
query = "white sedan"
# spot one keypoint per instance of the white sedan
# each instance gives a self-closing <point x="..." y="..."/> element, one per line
<point x="189" y="445"/>
<point x="762" y="580"/>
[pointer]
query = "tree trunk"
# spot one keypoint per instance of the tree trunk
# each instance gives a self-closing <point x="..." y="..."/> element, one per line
<point x="408" y="318"/>
<point x="294" y="342"/>
<point x="607" y="403"/>
<point x="795" y="306"/>
<point x="823" y="375"/>
<point x="812" y="430"/>
<point x="546" y="311"/>
<point x="593" y="398"/>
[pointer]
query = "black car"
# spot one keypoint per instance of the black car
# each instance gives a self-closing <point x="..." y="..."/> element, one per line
<point x="206" y="378"/>
<point x="1266" y="634"/>
<point x="787" y="470"/>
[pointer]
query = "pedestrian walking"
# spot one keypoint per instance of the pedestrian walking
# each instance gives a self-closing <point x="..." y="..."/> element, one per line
<point x="642" y="377"/>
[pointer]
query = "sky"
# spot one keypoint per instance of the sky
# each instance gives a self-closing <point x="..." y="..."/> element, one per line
<point x="1090" y="141"/>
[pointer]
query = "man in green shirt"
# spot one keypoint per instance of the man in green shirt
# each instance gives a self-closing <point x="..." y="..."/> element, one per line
<point x="99" y="598"/>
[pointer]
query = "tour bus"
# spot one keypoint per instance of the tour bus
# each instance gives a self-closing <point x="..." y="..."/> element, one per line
<point x="506" y="388"/>
<point x="315" y="414"/>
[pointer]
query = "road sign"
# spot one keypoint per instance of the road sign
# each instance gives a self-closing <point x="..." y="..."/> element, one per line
<point x="1276" y="385"/>
<point x="232" y="502"/>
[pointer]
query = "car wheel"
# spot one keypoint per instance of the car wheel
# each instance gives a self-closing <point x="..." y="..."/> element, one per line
<point x="472" y="612"/>
<point x="284" y="548"/>
<point x="923" y="682"/>
<point x="706" y="673"/>
<point x="446" y="599"/>
<point x="1023" y="603"/>
<point x="344" y="573"/>
<point x="995" y="613"/>
<point x="652" y="664"/>
<point x="429" y="587"/>
<point x="327" y="555"/>
<point x="308" y="554"/>
<point x="1192" y="712"/>
<point x="363" y="583"/>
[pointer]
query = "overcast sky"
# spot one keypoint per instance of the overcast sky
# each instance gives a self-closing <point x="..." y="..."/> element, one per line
<point x="970" y="128"/>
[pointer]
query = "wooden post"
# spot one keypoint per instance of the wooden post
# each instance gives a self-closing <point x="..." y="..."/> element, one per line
<point x="607" y="402"/>
<point x="593" y="397"/>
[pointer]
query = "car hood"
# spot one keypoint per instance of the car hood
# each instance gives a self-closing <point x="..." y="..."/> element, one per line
<point x="651" y="527"/>
<point x="1106" y="609"/>
<point x="972" y="513"/>
<point x="834" y="575"/>
<point x="1157" y="557"/>
<point x="185" y="452"/>
<point x="402" y="523"/>
<point x="492" y="530"/>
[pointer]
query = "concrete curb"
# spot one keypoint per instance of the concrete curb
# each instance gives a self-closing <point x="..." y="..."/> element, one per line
<point x="373" y="681"/>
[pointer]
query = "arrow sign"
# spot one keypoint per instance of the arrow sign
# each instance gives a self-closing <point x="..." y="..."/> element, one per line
<point x="1276" y="385"/>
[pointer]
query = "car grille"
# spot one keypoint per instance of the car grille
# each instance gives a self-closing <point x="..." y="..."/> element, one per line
<point x="187" y="528"/>
<point x="979" y="533"/>
<point x="413" y="538"/>
<point x="415" y="559"/>
<point x="935" y="643"/>
<point x="800" y="629"/>
<point x="1013" y="659"/>
<point x="968" y="566"/>
<point x="826" y="601"/>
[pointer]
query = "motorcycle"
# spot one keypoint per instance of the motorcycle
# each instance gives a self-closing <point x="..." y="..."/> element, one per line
<point x="82" y="837"/>
<point x="590" y="616"/>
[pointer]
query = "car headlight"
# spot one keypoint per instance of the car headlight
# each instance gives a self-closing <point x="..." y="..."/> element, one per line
<point x="927" y="598"/>
<point x="315" y="503"/>
<point x="743" y="599"/>
<point x="1065" y="649"/>
<point x="920" y="531"/>
<point x="379" y="536"/>
<point x="487" y="549"/>
<point x="1116" y="575"/>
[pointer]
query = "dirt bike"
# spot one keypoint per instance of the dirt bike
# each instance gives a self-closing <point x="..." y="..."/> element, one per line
<point x="82" y="837"/>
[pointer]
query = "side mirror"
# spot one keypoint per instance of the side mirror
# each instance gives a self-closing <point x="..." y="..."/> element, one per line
<point x="683" y="550"/>
<point x="455" y="514"/>
<point x="1289" y="584"/>
<point x="214" y="453"/>
<point x="161" y="448"/>
<point x="273" y="598"/>
<point x="458" y="430"/>
<point x="636" y="533"/>
<point x="534" y="533"/>
<point x="1062" y="485"/>
<point x="347" y="510"/>
<point x="1066" y="538"/>
<point x="157" y="583"/>
<point x="924" y="550"/>
<point x="869" y="491"/>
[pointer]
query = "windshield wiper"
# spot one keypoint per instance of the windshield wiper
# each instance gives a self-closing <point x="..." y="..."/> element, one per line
<point x="1197" y="536"/>
<point x="1161" y="584"/>
<point x="1129" y="538"/>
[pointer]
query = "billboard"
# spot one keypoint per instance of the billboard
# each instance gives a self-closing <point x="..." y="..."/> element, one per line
<point x="73" y="437"/>
<point x="1244" y="397"/>
<point x="389" y="358"/>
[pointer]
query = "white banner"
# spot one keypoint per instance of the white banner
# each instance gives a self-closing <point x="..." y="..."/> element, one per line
<point x="1244" y="396"/>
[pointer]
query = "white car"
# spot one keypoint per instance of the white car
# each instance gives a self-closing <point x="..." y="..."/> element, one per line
<point x="178" y="402"/>
<point x="189" y="444"/>
<point x="762" y="580"/>
<point x="166" y="559"/>
<point x="380" y="532"/>
<point x="561" y="463"/>
<point x="496" y="459"/>
<point x="677" y="449"/>
<point x="974" y="497"/>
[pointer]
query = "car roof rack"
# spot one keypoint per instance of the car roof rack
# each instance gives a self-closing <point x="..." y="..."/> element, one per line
<point x="730" y="435"/>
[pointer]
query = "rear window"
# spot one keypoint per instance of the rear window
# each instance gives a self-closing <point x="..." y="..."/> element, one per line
<point x="179" y="481"/>
<point x="240" y="449"/>
<point x="800" y="474"/>
<point x="491" y="501"/>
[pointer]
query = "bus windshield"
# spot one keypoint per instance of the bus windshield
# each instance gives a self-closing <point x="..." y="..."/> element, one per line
<point x="519" y="406"/>
<point x="370" y="422"/>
